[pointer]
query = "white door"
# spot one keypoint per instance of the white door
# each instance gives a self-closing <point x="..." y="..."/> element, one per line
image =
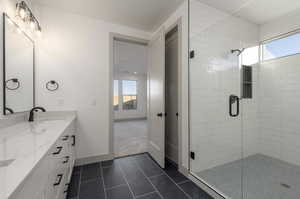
<point x="171" y="106"/>
<point x="156" y="108"/>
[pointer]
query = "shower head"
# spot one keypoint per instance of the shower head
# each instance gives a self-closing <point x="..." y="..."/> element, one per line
<point x="238" y="51"/>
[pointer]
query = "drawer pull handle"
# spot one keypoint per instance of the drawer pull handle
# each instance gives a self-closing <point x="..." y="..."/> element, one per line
<point x="65" y="138"/>
<point x="74" y="140"/>
<point x="60" y="176"/>
<point x="59" y="148"/>
<point x="67" y="159"/>
<point x="67" y="185"/>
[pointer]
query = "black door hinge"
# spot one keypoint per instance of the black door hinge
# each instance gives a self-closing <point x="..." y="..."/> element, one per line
<point x="192" y="154"/>
<point x="192" y="54"/>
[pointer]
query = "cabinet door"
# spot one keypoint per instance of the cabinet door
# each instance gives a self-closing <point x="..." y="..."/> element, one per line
<point x="36" y="182"/>
<point x="72" y="154"/>
<point x="41" y="194"/>
<point x="72" y="145"/>
<point x="62" y="189"/>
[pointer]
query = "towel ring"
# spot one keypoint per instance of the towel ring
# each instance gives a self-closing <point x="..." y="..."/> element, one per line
<point x="50" y="84"/>
<point x="14" y="80"/>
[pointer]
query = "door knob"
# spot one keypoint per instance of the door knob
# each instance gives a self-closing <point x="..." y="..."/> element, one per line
<point x="159" y="114"/>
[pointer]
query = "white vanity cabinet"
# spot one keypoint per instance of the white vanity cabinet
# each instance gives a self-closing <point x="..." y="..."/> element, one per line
<point x="51" y="177"/>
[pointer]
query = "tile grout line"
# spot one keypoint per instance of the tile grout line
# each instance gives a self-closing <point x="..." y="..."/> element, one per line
<point x="171" y="179"/>
<point x="124" y="176"/>
<point x="156" y="175"/>
<point x="138" y="166"/>
<point x="79" y="183"/>
<point x="114" y="187"/>
<point x="182" y="182"/>
<point x="90" y="180"/>
<point x="145" y="194"/>
<point x="102" y="176"/>
<point x="105" y="167"/>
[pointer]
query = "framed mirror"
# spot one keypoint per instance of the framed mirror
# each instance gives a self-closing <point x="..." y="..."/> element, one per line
<point x="18" y="69"/>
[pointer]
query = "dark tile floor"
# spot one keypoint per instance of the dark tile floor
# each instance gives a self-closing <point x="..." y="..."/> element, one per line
<point x="134" y="177"/>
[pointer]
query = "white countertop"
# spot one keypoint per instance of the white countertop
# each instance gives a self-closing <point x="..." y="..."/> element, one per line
<point x="26" y="143"/>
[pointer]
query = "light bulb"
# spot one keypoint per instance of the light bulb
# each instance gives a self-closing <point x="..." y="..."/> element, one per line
<point x="39" y="32"/>
<point x="22" y="13"/>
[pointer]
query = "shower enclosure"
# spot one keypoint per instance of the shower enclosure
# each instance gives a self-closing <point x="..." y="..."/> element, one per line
<point x="244" y="89"/>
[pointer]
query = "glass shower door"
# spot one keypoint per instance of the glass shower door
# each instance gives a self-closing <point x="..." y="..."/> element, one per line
<point x="215" y="115"/>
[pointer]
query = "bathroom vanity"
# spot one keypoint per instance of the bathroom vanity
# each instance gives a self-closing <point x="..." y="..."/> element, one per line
<point x="37" y="154"/>
<point x="37" y="158"/>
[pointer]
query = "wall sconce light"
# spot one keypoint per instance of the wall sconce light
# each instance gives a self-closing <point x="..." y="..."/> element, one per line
<point x="26" y="15"/>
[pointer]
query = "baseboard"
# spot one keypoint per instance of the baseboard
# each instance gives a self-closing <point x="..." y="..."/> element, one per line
<point x="93" y="159"/>
<point x="124" y="156"/>
<point x="130" y="119"/>
<point x="183" y="170"/>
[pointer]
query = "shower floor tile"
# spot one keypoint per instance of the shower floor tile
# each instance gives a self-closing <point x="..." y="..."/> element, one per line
<point x="263" y="177"/>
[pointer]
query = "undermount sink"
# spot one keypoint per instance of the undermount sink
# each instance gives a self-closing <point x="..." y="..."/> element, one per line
<point x="5" y="163"/>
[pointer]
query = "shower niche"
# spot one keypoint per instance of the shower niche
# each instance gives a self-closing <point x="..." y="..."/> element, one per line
<point x="246" y="82"/>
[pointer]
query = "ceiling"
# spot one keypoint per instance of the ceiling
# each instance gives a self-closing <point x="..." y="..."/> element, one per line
<point x="256" y="11"/>
<point x="141" y="14"/>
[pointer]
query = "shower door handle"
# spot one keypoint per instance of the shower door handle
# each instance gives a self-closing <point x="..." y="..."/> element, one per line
<point x="233" y="99"/>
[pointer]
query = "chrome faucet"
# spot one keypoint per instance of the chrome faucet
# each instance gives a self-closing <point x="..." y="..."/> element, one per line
<point x="35" y="109"/>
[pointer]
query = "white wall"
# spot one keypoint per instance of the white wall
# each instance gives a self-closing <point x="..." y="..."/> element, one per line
<point x="74" y="50"/>
<point x="280" y="25"/>
<point x="279" y="97"/>
<point x="279" y="109"/>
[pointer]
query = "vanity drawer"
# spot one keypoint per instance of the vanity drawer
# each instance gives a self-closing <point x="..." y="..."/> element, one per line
<point x="56" y="182"/>
<point x="62" y="160"/>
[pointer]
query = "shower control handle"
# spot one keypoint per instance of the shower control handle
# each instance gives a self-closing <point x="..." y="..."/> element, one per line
<point x="233" y="99"/>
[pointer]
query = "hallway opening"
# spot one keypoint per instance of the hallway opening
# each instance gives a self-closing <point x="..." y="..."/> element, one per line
<point x="129" y="97"/>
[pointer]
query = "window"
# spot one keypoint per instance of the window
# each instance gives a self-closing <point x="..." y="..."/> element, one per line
<point x="288" y="45"/>
<point x="129" y="93"/>
<point x="116" y="95"/>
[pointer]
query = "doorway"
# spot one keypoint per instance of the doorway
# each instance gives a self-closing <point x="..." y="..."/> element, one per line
<point x="129" y="102"/>
<point x="171" y="96"/>
<point x="160" y="85"/>
<point x="164" y="94"/>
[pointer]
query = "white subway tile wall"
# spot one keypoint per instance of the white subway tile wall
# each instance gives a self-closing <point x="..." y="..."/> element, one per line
<point x="216" y="137"/>
<point x="279" y="104"/>
<point x="269" y="123"/>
